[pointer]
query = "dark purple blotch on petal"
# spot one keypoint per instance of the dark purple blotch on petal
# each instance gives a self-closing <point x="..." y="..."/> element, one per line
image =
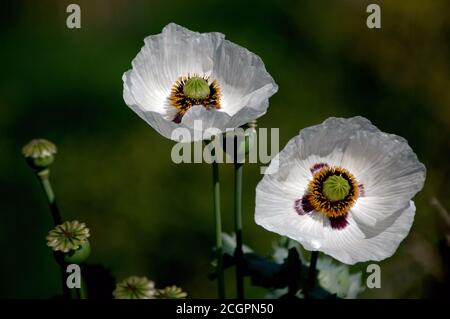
<point x="303" y="205"/>
<point x="338" y="222"/>
<point x="317" y="167"/>
<point x="177" y="118"/>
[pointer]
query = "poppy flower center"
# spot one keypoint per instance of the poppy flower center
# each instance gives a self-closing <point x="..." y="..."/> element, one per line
<point x="196" y="88"/>
<point x="193" y="90"/>
<point x="332" y="191"/>
<point x="336" y="188"/>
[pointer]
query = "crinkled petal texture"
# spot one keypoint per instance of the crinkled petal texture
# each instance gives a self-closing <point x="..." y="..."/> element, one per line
<point x="381" y="218"/>
<point x="241" y="75"/>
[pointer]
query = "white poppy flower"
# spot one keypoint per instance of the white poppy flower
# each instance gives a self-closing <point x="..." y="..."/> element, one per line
<point x="344" y="188"/>
<point x="181" y="76"/>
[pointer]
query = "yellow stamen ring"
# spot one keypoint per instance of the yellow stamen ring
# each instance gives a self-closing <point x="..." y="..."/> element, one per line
<point x="321" y="202"/>
<point x="183" y="102"/>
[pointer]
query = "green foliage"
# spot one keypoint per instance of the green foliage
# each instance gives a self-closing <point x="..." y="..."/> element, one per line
<point x="288" y="275"/>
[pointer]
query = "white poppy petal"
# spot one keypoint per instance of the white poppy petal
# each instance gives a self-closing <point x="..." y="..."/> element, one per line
<point x="204" y="121"/>
<point x="330" y="137"/>
<point x="371" y="220"/>
<point x="155" y="119"/>
<point x="351" y="245"/>
<point x="373" y="229"/>
<point x="324" y="143"/>
<point x="290" y="173"/>
<point x="387" y="168"/>
<point x="179" y="51"/>
<point x="276" y="195"/>
<point x="278" y="215"/>
<point x="242" y="80"/>
<point x="128" y="96"/>
<point x="167" y="56"/>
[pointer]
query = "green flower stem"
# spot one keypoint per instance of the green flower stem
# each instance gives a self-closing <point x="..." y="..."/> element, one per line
<point x="47" y="187"/>
<point x="311" y="273"/>
<point x="43" y="177"/>
<point x="218" y="228"/>
<point x="63" y="267"/>
<point x="82" y="291"/>
<point x="238" y="167"/>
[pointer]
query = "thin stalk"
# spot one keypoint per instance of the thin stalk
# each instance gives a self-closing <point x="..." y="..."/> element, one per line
<point x="62" y="267"/>
<point x="82" y="291"/>
<point x="43" y="177"/>
<point x="238" y="168"/>
<point x="218" y="228"/>
<point x="48" y="190"/>
<point x="312" y="273"/>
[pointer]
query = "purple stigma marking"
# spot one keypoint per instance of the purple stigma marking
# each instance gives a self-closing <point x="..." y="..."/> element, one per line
<point x="361" y="190"/>
<point x="317" y="167"/>
<point x="177" y="118"/>
<point x="338" y="222"/>
<point x="303" y="206"/>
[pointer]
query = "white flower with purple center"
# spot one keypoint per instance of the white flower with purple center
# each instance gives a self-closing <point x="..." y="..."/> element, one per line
<point x="344" y="188"/>
<point x="181" y="77"/>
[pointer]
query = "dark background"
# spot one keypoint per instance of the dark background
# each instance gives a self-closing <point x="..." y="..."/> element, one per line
<point x="149" y="216"/>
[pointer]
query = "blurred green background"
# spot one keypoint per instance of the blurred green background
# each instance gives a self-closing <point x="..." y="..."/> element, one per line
<point x="149" y="216"/>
